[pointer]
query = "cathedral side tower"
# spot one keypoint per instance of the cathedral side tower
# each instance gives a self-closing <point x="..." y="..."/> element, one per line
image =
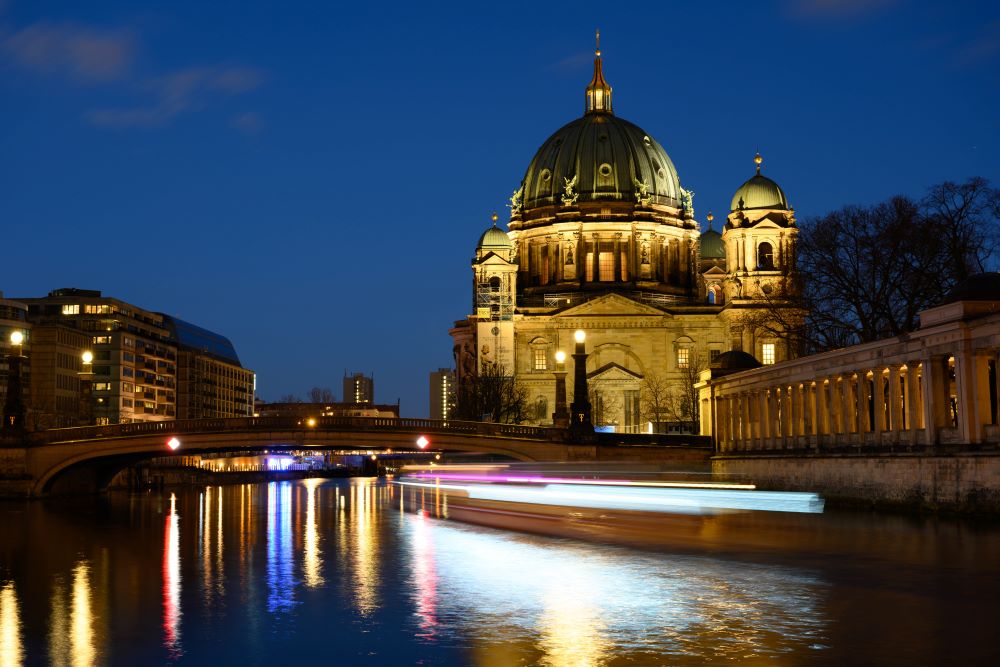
<point x="759" y="239"/>
<point x="494" y="290"/>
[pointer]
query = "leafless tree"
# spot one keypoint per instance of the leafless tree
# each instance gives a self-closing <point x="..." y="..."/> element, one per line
<point x="865" y="273"/>
<point x="493" y="394"/>
<point x="682" y="398"/>
<point x="318" y="395"/>
<point x="655" y="394"/>
<point x="289" y="398"/>
<point x="605" y="405"/>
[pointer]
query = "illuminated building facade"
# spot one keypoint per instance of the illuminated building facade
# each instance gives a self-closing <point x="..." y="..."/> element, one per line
<point x="359" y="388"/>
<point x="147" y="366"/>
<point x="603" y="237"/>
<point x="13" y="317"/>
<point x="443" y="394"/>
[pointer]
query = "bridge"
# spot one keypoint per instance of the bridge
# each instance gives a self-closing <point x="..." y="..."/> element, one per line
<point x="86" y="458"/>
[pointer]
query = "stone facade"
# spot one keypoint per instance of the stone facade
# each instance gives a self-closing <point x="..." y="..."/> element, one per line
<point x="603" y="238"/>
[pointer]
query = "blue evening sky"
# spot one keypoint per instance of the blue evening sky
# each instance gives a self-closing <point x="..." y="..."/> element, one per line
<point x="310" y="178"/>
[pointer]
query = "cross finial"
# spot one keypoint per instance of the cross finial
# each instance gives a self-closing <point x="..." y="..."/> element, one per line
<point x="494" y="218"/>
<point x="757" y="160"/>
<point x="598" y="50"/>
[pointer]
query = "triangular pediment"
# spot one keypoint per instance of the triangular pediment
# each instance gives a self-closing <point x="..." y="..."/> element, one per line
<point x="714" y="271"/>
<point x="612" y="372"/>
<point x="491" y="258"/>
<point x="610" y="304"/>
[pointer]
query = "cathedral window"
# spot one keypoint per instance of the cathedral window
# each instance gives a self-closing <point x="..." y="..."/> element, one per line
<point x="765" y="257"/>
<point x="683" y="357"/>
<point x="589" y="273"/>
<point x="624" y="265"/>
<point x="767" y="353"/>
<point x="606" y="266"/>
<point x="540" y="359"/>
<point x="495" y="284"/>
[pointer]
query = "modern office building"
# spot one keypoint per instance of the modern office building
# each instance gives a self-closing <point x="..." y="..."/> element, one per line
<point x="359" y="388"/>
<point x="146" y="366"/>
<point x="306" y="410"/>
<point x="211" y="381"/>
<point x="443" y="393"/>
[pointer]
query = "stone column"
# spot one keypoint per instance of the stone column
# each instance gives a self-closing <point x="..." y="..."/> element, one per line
<point x="895" y="403"/>
<point x="913" y="422"/>
<point x="618" y="258"/>
<point x="861" y="404"/>
<point x="935" y="381"/>
<point x="850" y="406"/>
<point x="878" y="401"/>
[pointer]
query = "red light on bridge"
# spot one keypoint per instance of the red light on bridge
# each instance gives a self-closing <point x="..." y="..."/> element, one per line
<point x="173" y="444"/>
<point x="422" y="442"/>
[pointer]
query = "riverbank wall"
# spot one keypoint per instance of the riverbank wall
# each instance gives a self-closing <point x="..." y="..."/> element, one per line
<point x="962" y="482"/>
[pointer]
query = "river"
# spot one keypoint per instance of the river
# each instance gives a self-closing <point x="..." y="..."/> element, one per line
<point x="335" y="571"/>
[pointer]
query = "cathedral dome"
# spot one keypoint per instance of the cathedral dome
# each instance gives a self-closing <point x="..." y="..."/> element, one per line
<point x="599" y="158"/>
<point x="604" y="158"/>
<point x="735" y="360"/>
<point x="494" y="238"/>
<point x="711" y="245"/>
<point x="759" y="192"/>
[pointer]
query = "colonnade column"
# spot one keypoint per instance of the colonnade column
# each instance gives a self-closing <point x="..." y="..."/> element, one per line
<point x="895" y="404"/>
<point x="913" y="402"/>
<point x="878" y="403"/>
<point x="935" y="380"/>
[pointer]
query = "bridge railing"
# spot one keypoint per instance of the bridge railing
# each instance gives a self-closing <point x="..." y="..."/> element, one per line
<point x="184" y="426"/>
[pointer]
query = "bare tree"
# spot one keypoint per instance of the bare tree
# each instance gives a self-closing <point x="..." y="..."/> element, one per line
<point x="318" y="395"/>
<point x="605" y="405"/>
<point x="493" y="394"/>
<point x="865" y="273"/>
<point x="681" y="401"/>
<point x="289" y="398"/>
<point x="655" y="394"/>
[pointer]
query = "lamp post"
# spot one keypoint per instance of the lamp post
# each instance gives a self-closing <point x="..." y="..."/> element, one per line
<point x="86" y="374"/>
<point x="13" y="407"/>
<point x="581" y="427"/>
<point x="560" y="418"/>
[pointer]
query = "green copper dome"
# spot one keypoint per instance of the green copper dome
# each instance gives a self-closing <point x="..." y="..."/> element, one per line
<point x="494" y="238"/>
<point x="598" y="158"/>
<point x="759" y="192"/>
<point x="711" y="245"/>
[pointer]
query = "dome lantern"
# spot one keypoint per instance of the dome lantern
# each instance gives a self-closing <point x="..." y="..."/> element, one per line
<point x="598" y="95"/>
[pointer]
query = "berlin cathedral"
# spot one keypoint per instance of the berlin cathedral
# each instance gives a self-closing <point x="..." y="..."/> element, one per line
<point x="603" y="238"/>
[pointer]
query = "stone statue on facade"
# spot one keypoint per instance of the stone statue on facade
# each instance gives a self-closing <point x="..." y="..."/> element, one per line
<point x="570" y="196"/>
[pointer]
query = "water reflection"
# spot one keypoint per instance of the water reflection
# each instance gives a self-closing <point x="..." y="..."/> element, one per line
<point x="424" y="576"/>
<point x="364" y="556"/>
<point x="583" y="603"/>
<point x="11" y="649"/>
<point x="172" y="582"/>
<point x="280" y="575"/>
<point x="312" y="557"/>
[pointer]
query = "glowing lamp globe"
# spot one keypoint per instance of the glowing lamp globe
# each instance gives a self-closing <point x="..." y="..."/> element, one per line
<point x="422" y="442"/>
<point x="16" y="338"/>
<point x="173" y="444"/>
<point x="87" y="357"/>
<point x="560" y="357"/>
<point x="580" y="335"/>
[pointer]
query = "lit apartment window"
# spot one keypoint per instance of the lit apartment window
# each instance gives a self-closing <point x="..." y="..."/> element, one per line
<point x="767" y="353"/>
<point x="71" y="309"/>
<point x="683" y="357"/>
<point x="540" y="361"/>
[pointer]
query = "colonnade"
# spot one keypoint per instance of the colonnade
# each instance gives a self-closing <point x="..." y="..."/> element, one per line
<point x="822" y="402"/>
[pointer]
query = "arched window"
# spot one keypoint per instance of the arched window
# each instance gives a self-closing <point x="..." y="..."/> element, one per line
<point x="711" y="295"/>
<point x="495" y="284"/>
<point x="765" y="257"/>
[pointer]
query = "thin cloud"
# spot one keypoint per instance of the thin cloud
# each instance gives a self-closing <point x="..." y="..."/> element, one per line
<point x="837" y="9"/>
<point x="981" y="47"/>
<point x="571" y="63"/>
<point x="80" y="53"/>
<point x="179" y="92"/>
<point x="248" y="122"/>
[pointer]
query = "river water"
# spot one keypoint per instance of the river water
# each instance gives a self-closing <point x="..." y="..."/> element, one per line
<point x="334" y="571"/>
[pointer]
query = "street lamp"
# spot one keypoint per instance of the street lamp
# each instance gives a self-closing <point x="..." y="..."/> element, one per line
<point x="560" y="418"/>
<point x="86" y="376"/>
<point x="13" y="407"/>
<point x="581" y="427"/>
